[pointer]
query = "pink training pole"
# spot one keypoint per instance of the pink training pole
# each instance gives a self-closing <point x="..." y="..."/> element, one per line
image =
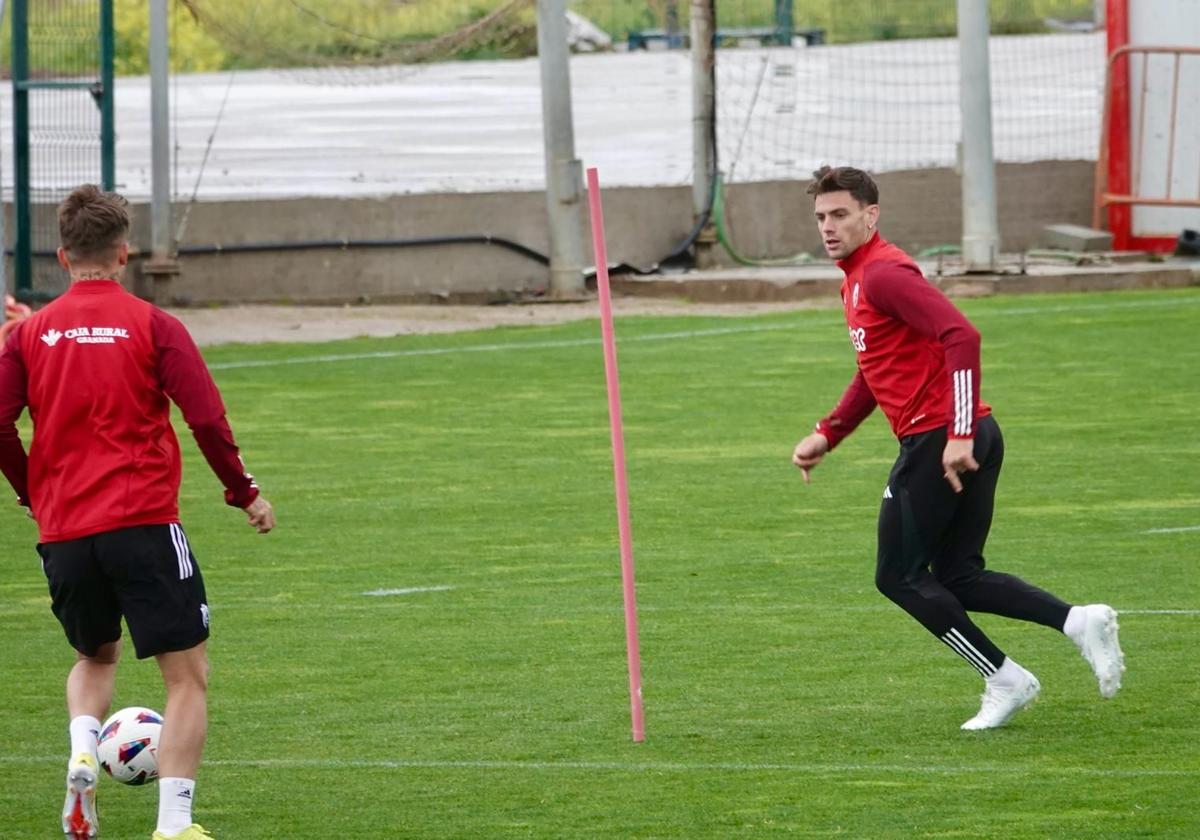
<point x="618" y="448"/>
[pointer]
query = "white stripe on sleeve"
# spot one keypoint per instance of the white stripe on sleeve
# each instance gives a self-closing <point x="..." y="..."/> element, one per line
<point x="964" y="402"/>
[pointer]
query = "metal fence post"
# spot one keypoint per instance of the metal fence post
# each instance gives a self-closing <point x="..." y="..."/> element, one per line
<point x="108" y="157"/>
<point x="162" y="265"/>
<point x="22" y="249"/>
<point x="704" y="132"/>
<point x="564" y="172"/>
<point x="981" y="229"/>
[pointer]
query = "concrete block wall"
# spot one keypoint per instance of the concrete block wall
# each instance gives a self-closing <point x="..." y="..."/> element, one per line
<point x="920" y="209"/>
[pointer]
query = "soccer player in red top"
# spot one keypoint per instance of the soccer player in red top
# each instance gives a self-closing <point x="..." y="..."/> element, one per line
<point x="97" y="369"/>
<point x="918" y="360"/>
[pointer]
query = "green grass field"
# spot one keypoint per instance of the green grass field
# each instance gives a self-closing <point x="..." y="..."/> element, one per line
<point x="783" y="695"/>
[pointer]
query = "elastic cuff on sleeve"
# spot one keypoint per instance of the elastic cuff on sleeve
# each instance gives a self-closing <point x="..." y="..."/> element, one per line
<point x="823" y="428"/>
<point x="243" y="498"/>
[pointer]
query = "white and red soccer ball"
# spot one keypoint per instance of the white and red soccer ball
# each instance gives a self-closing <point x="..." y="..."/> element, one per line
<point x="128" y="746"/>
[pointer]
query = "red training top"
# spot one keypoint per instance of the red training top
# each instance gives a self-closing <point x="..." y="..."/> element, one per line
<point x="918" y="356"/>
<point x="95" y="368"/>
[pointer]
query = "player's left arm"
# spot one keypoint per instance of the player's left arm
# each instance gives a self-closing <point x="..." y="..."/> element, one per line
<point x="901" y="291"/>
<point x="185" y="378"/>
<point x="13" y="399"/>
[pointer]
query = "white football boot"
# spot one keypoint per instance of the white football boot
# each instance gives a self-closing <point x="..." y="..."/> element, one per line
<point x="79" y="820"/>
<point x="1001" y="702"/>
<point x="1097" y="641"/>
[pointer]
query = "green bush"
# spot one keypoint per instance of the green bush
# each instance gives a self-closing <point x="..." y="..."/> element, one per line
<point x="224" y="34"/>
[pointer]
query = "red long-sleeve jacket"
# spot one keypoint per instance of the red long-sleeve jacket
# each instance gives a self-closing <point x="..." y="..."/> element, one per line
<point x="96" y="369"/>
<point x="918" y="356"/>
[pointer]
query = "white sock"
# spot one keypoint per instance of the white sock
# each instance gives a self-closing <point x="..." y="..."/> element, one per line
<point x="85" y="729"/>
<point x="1007" y="675"/>
<point x="174" y="805"/>
<point x="1073" y="626"/>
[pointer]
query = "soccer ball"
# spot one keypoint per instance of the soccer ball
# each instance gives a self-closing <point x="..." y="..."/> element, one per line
<point x="128" y="746"/>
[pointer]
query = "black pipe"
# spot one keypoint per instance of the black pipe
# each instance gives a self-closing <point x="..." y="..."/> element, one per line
<point x="346" y="244"/>
<point x="679" y="251"/>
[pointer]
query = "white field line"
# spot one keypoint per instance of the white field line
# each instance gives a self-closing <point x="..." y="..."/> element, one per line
<point x="408" y="590"/>
<point x="1182" y="530"/>
<point x="1158" y="612"/>
<point x="1153" y="303"/>
<point x="757" y="608"/>
<point x="495" y="348"/>
<point x="668" y="336"/>
<point x="662" y="767"/>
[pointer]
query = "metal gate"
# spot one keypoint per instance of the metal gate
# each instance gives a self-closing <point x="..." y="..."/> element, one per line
<point x="1126" y="144"/>
<point x="62" y="77"/>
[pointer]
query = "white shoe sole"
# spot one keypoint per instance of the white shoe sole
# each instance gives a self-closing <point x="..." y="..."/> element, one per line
<point x="1109" y="665"/>
<point x="79" y="811"/>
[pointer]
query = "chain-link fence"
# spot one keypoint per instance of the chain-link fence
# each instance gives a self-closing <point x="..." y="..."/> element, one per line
<point x="61" y="123"/>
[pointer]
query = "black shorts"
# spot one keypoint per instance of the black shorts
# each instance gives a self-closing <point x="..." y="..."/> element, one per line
<point x="146" y="574"/>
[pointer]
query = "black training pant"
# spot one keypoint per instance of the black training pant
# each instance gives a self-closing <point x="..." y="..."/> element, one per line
<point x="931" y="540"/>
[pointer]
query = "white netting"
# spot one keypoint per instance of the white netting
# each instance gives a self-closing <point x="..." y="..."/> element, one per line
<point x="894" y="105"/>
<point x="375" y="127"/>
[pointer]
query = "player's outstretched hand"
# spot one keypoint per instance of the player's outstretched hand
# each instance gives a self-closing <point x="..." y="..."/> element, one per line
<point x="958" y="457"/>
<point x="260" y="515"/>
<point x="809" y="452"/>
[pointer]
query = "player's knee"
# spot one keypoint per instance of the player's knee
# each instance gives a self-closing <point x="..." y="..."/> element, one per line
<point x="959" y="576"/>
<point x="192" y="680"/>
<point x="889" y="584"/>
<point x="106" y="654"/>
<point x="186" y="670"/>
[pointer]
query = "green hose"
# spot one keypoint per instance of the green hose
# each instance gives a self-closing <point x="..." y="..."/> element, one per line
<point x="939" y="251"/>
<point x="726" y="239"/>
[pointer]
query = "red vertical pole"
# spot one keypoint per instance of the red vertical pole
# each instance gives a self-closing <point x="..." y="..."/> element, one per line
<point x="1120" y="216"/>
<point x="618" y="448"/>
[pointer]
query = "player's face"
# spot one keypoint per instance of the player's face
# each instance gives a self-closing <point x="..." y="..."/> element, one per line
<point x="844" y="223"/>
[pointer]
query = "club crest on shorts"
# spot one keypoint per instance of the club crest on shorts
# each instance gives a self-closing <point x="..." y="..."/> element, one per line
<point x="204" y="614"/>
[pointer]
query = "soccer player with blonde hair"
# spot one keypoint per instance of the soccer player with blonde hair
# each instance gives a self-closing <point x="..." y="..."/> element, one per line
<point x="97" y="369"/>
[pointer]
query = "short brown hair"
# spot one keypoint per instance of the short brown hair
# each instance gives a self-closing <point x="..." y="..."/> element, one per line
<point x="859" y="184"/>
<point x="91" y="222"/>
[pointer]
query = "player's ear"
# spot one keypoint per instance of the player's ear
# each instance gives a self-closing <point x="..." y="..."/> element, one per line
<point x="872" y="216"/>
<point x="62" y="259"/>
<point x="123" y="253"/>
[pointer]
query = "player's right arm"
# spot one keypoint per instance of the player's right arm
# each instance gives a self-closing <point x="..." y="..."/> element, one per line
<point x="185" y="378"/>
<point x="856" y="405"/>
<point x="13" y="461"/>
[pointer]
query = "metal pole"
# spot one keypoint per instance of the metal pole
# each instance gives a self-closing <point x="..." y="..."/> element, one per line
<point x="3" y="235"/>
<point x="564" y="173"/>
<point x="22" y="247"/>
<point x="704" y="134"/>
<point x="674" y="36"/>
<point x="981" y="231"/>
<point x="108" y="164"/>
<point x="161" y="266"/>
<point x="160" y="133"/>
<point x="784" y="23"/>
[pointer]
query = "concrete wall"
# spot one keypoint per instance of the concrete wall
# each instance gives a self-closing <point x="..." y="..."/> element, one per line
<point x="921" y="209"/>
